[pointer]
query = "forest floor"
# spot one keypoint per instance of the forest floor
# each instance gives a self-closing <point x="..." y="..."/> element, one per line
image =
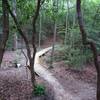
<point x="16" y="85"/>
<point x="79" y="83"/>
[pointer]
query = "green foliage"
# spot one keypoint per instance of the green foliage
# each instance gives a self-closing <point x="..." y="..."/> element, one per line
<point x="75" y="57"/>
<point x="73" y="52"/>
<point x="25" y="10"/>
<point x="39" y="90"/>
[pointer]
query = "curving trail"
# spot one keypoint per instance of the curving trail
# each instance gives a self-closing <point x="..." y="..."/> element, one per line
<point x="60" y="93"/>
<point x="74" y="89"/>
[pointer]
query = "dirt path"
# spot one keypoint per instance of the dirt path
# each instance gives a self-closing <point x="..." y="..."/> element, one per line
<point x="78" y="83"/>
<point x="75" y="90"/>
<point x="83" y="89"/>
<point x="60" y="93"/>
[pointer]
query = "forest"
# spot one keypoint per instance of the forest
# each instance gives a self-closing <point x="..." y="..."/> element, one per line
<point x="49" y="49"/>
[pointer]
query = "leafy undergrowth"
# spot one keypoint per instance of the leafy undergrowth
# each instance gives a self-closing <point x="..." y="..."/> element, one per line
<point x="39" y="90"/>
<point x="81" y="71"/>
<point x="74" y="57"/>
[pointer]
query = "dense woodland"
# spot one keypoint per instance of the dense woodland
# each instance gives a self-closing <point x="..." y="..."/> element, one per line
<point x="72" y="26"/>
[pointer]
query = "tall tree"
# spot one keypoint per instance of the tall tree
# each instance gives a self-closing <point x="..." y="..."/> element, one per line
<point x="5" y="30"/>
<point x="67" y="17"/>
<point x="30" y="51"/>
<point x="90" y="43"/>
<point x="55" y="10"/>
<point x="15" y="35"/>
<point x="53" y="45"/>
<point x="40" y="30"/>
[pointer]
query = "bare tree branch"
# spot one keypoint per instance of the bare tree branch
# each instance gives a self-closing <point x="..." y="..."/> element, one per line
<point x="35" y="17"/>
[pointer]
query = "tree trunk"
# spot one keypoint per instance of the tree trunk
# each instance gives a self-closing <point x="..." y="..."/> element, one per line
<point x="40" y="31"/>
<point x="98" y="86"/>
<point x="15" y="43"/>
<point x="30" y="53"/>
<point x="53" y="46"/>
<point x="32" y="72"/>
<point x="5" y="30"/>
<point x="66" y="30"/>
<point x="91" y="44"/>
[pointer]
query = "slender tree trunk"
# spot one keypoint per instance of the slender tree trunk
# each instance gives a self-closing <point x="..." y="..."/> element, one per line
<point x="63" y="4"/>
<point x="15" y="35"/>
<point x="40" y="31"/>
<point x="91" y="44"/>
<point x="74" y="19"/>
<point x="34" y="34"/>
<point x="53" y="46"/>
<point x="55" y="4"/>
<point x="98" y="86"/>
<point x="5" y="29"/>
<point x="32" y="71"/>
<point x="30" y="53"/>
<point x="67" y="17"/>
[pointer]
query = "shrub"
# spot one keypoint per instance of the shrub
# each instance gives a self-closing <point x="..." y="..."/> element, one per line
<point x="39" y="90"/>
<point x="74" y="57"/>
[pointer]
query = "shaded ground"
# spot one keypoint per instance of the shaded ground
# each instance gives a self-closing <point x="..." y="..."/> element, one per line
<point x="59" y="91"/>
<point x="15" y="85"/>
<point x="20" y="74"/>
<point x="80" y="84"/>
